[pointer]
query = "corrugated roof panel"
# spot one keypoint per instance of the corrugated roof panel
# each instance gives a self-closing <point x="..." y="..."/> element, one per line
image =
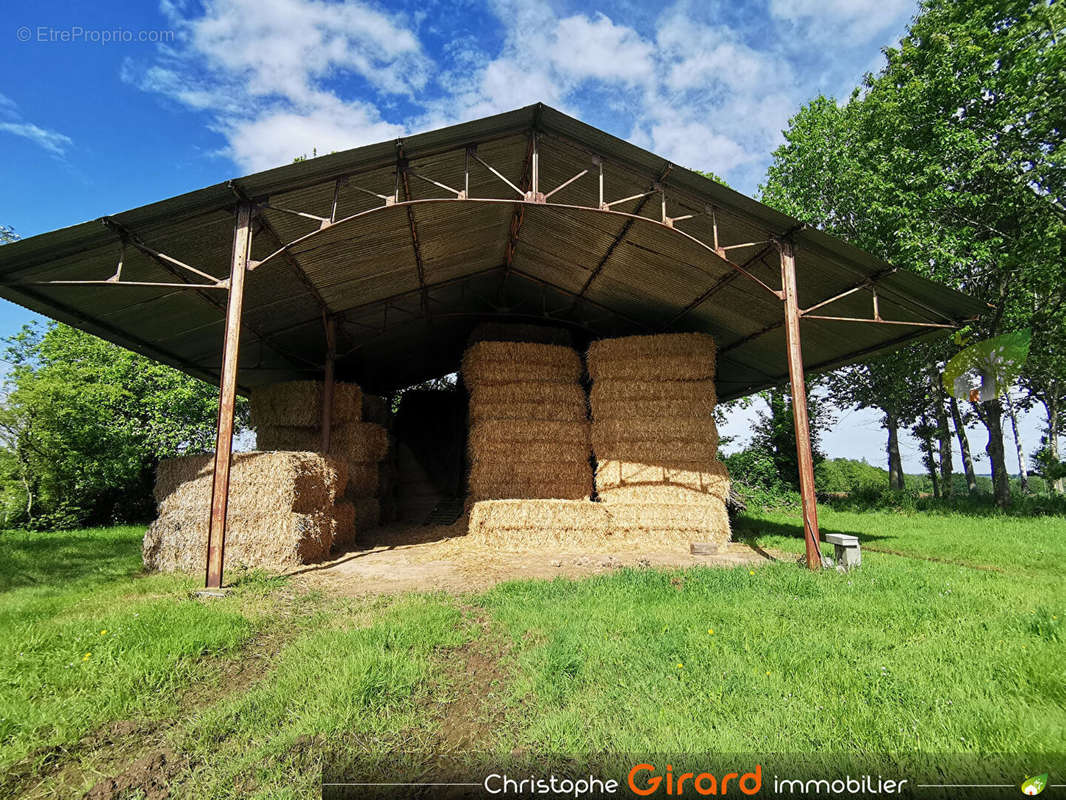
<point x="647" y="278"/>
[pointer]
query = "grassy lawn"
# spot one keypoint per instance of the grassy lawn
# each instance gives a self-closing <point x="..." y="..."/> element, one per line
<point x="948" y="640"/>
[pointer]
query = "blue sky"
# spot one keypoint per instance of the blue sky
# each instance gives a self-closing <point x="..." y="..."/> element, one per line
<point x="119" y="104"/>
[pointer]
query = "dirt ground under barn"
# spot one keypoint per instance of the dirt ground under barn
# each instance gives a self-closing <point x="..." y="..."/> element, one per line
<point x="403" y="558"/>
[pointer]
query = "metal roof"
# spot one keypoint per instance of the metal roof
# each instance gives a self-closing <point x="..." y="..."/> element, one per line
<point x="408" y="277"/>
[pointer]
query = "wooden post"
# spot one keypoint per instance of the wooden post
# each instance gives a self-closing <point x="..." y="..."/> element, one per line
<point x="327" y="383"/>
<point x="227" y="396"/>
<point x="804" y="458"/>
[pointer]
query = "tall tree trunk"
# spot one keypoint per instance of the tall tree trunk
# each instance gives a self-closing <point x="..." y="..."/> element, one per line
<point x="895" y="463"/>
<point x="964" y="445"/>
<point x="925" y="434"/>
<point x="1023" y="473"/>
<point x="943" y="435"/>
<point x="991" y="414"/>
<point x="1051" y="406"/>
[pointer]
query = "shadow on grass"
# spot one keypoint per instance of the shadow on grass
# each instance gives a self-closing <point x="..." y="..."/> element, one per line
<point x="51" y="558"/>
<point x="748" y="529"/>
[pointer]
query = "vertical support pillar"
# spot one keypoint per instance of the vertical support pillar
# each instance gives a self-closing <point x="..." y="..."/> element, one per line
<point x="227" y="396"/>
<point x="804" y="458"/>
<point x="327" y="383"/>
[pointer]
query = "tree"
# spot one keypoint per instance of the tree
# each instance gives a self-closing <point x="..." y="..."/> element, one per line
<point x="950" y="162"/>
<point x="84" y="423"/>
<point x="774" y="432"/>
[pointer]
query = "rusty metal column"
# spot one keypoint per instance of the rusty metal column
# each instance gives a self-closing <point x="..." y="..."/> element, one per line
<point x="327" y="383"/>
<point x="804" y="458"/>
<point x="227" y="396"/>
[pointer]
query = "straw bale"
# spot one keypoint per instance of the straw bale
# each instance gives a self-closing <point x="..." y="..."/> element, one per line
<point x="507" y="362"/>
<point x="542" y="450"/>
<point x="300" y="403"/>
<point x="654" y="452"/>
<point x="708" y="521"/>
<point x="355" y="442"/>
<point x="291" y="481"/>
<point x="686" y="478"/>
<point x="670" y="356"/>
<point x="652" y="409"/>
<point x="568" y="412"/>
<point x="367" y="513"/>
<point x="537" y="515"/>
<point x="519" y="332"/>
<point x="661" y="429"/>
<point x="344" y="524"/>
<point x="363" y="480"/>
<point x="657" y="345"/>
<point x="490" y="432"/>
<point x="178" y="540"/>
<point x="700" y="395"/>
<point x="516" y="490"/>
<point x="518" y="470"/>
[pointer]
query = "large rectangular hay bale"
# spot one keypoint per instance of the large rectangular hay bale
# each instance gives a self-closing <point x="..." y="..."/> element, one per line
<point x="521" y="431"/>
<point x="363" y="480"/>
<point x="542" y="451"/>
<point x="629" y="481"/>
<point x="669" y="356"/>
<point x="488" y="489"/>
<point x="652" y="409"/>
<point x="705" y="522"/>
<point x="536" y="515"/>
<point x="655" y="429"/>
<point x="177" y="541"/>
<point x="367" y="513"/>
<point x="699" y="396"/>
<point x="654" y="452"/>
<point x="300" y="403"/>
<point x="519" y="471"/>
<point x="294" y="481"/>
<point x="354" y="442"/>
<point x="507" y="362"/>
<point x="567" y="412"/>
<point x="345" y="524"/>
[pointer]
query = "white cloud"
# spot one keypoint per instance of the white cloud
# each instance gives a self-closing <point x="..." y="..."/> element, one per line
<point x="11" y="121"/>
<point x="278" y="77"/>
<point x="842" y="21"/>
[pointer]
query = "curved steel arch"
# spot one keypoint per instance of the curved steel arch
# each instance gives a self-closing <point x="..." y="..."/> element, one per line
<point x="327" y="224"/>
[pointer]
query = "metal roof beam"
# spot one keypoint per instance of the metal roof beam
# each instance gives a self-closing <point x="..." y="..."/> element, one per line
<point x="401" y="172"/>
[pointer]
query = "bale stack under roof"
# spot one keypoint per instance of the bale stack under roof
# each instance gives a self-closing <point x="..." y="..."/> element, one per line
<point x="529" y="430"/>
<point x="285" y="509"/>
<point x="288" y="417"/>
<point x="654" y="437"/>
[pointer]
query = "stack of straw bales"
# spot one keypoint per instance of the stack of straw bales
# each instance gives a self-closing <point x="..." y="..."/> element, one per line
<point x="288" y="416"/>
<point x="654" y="436"/>
<point x="284" y="509"/>
<point x="529" y="430"/>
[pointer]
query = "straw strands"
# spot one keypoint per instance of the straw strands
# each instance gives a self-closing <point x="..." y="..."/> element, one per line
<point x="507" y="362"/>
<point x="345" y="524"/>
<point x="178" y="540"/>
<point x="355" y="442"/>
<point x="529" y="430"/>
<point x="302" y="481"/>
<point x="626" y="481"/>
<point x="707" y="521"/>
<point x="535" y="524"/>
<point x="300" y="403"/>
<point x="676" y="356"/>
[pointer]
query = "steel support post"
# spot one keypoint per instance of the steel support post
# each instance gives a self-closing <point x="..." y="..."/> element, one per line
<point x="227" y="396"/>
<point x="327" y="382"/>
<point x="804" y="458"/>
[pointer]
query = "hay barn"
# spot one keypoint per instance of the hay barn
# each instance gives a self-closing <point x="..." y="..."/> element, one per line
<point x="594" y="301"/>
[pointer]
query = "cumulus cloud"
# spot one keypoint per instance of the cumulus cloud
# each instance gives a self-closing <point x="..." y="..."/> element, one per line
<point x="277" y="77"/>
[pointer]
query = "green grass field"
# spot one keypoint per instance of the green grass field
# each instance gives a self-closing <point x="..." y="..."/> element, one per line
<point x="948" y="640"/>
